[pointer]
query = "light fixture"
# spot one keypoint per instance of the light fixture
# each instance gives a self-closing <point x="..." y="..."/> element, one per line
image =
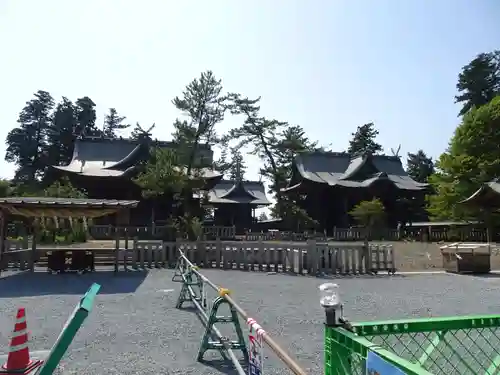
<point x="330" y="300"/>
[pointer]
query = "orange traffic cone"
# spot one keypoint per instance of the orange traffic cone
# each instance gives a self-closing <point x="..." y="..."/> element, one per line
<point x="18" y="360"/>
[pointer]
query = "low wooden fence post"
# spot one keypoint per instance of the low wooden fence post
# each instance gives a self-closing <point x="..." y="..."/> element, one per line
<point x="312" y="257"/>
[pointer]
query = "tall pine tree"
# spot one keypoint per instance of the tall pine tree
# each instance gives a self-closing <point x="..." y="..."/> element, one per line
<point x="61" y="134"/>
<point x="27" y="143"/>
<point x="113" y="122"/>
<point x="479" y="81"/>
<point x="86" y="117"/>
<point x="419" y="166"/>
<point x="203" y="103"/>
<point x="237" y="167"/>
<point x="364" y="140"/>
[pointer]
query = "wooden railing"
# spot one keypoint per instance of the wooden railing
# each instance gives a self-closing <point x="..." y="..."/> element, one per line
<point x="109" y="232"/>
<point x="424" y="234"/>
<point x="311" y="258"/>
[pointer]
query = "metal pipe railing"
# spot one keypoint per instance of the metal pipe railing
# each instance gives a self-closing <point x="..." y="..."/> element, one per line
<point x="204" y="317"/>
<point x="292" y="365"/>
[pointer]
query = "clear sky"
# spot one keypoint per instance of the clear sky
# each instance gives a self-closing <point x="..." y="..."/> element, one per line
<point x="327" y="65"/>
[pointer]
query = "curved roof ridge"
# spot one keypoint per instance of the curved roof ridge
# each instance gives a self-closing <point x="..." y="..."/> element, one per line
<point x="238" y="185"/>
<point x="354" y="167"/>
<point x="128" y="160"/>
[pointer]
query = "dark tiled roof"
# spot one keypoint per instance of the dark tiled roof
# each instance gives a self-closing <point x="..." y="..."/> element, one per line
<point x="487" y="196"/>
<point x="67" y="202"/>
<point x="106" y="157"/>
<point x="231" y="192"/>
<point x="341" y="169"/>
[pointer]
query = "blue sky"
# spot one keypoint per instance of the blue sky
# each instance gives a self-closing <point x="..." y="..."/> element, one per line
<point x="327" y="65"/>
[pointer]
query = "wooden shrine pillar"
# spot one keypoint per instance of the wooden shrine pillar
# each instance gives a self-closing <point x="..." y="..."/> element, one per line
<point x="3" y="236"/>
<point x="35" y="225"/>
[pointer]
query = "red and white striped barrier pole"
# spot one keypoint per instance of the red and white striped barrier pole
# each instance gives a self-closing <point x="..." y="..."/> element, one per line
<point x="256" y="349"/>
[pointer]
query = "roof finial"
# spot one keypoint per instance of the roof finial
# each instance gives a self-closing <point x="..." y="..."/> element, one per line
<point x="238" y="170"/>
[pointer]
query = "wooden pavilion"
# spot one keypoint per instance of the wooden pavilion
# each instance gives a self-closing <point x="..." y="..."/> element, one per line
<point x="329" y="184"/>
<point x="105" y="169"/>
<point x="475" y="258"/>
<point x="235" y="202"/>
<point x="32" y="208"/>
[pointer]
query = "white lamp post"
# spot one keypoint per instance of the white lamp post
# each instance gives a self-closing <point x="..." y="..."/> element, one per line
<point x="330" y="300"/>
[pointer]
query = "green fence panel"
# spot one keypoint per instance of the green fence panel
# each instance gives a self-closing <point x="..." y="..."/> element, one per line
<point x="440" y="346"/>
<point x="69" y="330"/>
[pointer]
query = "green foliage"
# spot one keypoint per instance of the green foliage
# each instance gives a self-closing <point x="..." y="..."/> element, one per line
<point x="51" y="232"/>
<point x="369" y="213"/>
<point x="60" y="137"/>
<point x="222" y="164"/>
<point x="294" y="215"/>
<point x="263" y="217"/>
<point x="472" y="158"/>
<point x="479" y="81"/>
<point x="237" y="166"/>
<point x="63" y="189"/>
<point x="113" y="122"/>
<point x="85" y="118"/>
<point x="46" y="133"/>
<point x="162" y="174"/>
<point x="419" y="166"/>
<point x="204" y="105"/>
<point x="5" y="188"/>
<point x="364" y="140"/>
<point x="276" y="144"/>
<point x="27" y="144"/>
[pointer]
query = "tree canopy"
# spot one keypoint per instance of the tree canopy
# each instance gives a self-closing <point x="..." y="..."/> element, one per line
<point x="237" y="166"/>
<point x="47" y="129"/>
<point x="479" y="81"/>
<point x="419" y="166"/>
<point x="113" y="123"/>
<point x="472" y="158"/>
<point x="364" y="140"/>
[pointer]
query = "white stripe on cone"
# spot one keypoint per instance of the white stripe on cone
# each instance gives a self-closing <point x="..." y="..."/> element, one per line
<point x="20" y="333"/>
<point x="19" y="347"/>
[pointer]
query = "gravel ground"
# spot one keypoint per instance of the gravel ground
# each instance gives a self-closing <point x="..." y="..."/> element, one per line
<point x="136" y="329"/>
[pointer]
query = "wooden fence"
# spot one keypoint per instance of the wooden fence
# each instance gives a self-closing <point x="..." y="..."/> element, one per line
<point x="109" y="232"/>
<point x="425" y="234"/>
<point x="306" y="258"/>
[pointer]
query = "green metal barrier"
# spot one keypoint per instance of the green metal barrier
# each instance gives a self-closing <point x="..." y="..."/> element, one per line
<point x="69" y="331"/>
<point x="439" y="346"/>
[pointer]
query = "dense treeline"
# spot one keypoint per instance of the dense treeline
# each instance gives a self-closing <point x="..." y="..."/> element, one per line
<point x="46" y="131"/>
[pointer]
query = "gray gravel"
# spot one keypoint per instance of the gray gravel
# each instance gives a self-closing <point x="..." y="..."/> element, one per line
<point x="136" y="329"/>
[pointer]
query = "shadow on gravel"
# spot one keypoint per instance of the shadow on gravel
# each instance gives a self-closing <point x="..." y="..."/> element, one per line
<point x="361" y="277"/>
<point x="223" y="366"/>
<point x="341" y="276"/>
<point x="28" y="284"/>
<point x="482" y="275"/>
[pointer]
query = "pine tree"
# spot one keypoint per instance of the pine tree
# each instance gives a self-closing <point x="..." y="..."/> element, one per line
<point x="363" y="140"/>
<point x="113" y="123"/>
<point x="27" y="144"/>
<point x="203" y="103"/>
<point x="479" y="81"/>
<point x="419" y="166"/>
<point x="61" y="134"/>
<point x="237" y="167"/>
<point x="86" y="117"/>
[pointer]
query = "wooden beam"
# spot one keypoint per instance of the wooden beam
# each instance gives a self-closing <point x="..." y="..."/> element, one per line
<point x="3" y="230"/>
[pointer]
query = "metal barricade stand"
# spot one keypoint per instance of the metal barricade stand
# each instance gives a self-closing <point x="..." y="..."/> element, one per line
<point x="193" y="289"/>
